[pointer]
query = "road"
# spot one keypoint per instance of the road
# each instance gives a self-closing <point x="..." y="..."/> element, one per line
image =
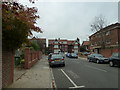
<point x="79" y="73"/>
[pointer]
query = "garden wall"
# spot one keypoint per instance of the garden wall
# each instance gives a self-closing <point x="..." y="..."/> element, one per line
<point x="31" y="57"/>
<point x="108" y="52"/>
<point x="7" y="68"/>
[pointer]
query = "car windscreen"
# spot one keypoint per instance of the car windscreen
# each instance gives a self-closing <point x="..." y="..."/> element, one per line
<point x="99" y="55"/>
<point x="116" y="54"/>
<point x="73" y="54"/>
<point x="57" y="56"/>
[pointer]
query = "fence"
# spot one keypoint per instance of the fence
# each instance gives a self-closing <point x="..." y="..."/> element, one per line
<point x="31" y="57"/>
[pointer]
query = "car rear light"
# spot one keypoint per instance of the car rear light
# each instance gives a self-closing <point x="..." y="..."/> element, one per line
<point x="63" y="59"/>
<point x="51" y="60"/>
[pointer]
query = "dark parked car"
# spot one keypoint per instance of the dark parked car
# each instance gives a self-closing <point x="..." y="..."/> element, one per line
<point x="97" y="58"/>
<point x="114" y="59"/>
<point x="68" y="55"/>
<point x="56" y="59"/>
<point x="73" y="55"/>
<point x="86" y="53"/>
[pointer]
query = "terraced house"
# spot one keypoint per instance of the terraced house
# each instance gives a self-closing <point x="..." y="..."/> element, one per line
<point x="107" y="40"/>
<point x="63" y="45"/>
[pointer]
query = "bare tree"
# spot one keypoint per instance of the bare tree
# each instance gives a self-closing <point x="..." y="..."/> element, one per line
<point x="99" y="23"/>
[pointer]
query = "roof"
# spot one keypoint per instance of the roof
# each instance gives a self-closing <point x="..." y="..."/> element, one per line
<point x="70" y="41"/>
<point x="86" y="43"/>
<point x="62" y="40"/>
<point x="112" y="26"/>
<point x="50" y="41"/>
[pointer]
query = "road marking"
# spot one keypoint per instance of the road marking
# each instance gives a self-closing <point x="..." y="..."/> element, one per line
<point x="75" y="86"/>
<point x="96" y="68"/>
<point x="74" y="75"/>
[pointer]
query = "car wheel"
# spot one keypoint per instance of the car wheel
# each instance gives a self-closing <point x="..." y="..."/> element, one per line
<point x="63" y="65"/>
<point x="98" y="61"/>
<point x="118" y="66"/>
<point x="111" y="64"/>
<point x="51" y="65"/>
<point x="89" y="60"/>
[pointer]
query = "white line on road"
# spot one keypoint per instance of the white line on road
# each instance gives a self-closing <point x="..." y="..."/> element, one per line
<point x="75" y="86"/>
<point x="96" y="68"/>
<point x="74" y="75"/>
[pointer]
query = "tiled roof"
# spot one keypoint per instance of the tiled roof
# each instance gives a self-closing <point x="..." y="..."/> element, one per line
<point x="70" y="41"/>
<point x="86" y="43"/>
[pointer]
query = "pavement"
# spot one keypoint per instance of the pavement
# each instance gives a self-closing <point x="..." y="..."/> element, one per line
<point x="82" y="58"/>
<point x="39" y="76"/>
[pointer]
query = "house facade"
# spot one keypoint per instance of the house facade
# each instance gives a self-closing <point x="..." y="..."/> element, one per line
<point x="60" y="45"/>
<point x="86" y="45"/>
<point x="106" y="41"/>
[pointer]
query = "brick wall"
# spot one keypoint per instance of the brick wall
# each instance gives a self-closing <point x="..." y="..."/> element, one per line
<point x="108" y="52"/>
<point x="31" y="57"/>
<point x="7" y="68"/>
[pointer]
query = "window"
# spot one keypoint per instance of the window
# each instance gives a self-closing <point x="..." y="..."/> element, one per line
<point x="108" y="41"/>
<point x="55" y="46"/>
<point x="107" y="33"/>
<point x="64" y="42"/>
<point x="92" y="44"/>
<point x="56" y="51"/>
<point x="75" y="51"/>
<point x="75" y="46"/>
<point x="55" y="42"/>
<point x="115" y="55"/>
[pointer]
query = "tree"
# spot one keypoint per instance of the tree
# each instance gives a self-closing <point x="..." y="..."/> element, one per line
<point x="82" y="49"/>
<point x="35" y="46"/>
<point x="99" y="23"/>
<point x="31" y="1"/>
<point x="18" y="22"/>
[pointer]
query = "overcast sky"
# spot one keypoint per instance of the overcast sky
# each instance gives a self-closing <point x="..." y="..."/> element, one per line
<point x="69" y="20"/>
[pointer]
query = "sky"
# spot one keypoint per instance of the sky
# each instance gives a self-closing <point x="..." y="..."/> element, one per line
<point x="71" y="19"/>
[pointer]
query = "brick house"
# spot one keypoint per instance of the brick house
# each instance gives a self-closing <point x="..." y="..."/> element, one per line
<point x="107" y="40"/>
<point x="41" y="42"/>
<point x="60" y="45"/>
<point x="86" y="45"/>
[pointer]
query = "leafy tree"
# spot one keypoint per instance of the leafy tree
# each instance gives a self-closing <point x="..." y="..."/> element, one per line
<point x="82" y="49"/>
<point x="18" y="22"/>
<point x="35" y="46"/>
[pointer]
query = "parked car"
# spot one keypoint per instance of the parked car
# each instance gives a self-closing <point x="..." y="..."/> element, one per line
<point x="86" y="53"/>
<point x="73" y="55"/>
<point x="56" y="59"/>
<point x="97" y="58"/>
<point x="62" y="54"/>
<point x="68" y="55"/>
<point x="114" y="59"/>
<point x="49" y="56"/>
